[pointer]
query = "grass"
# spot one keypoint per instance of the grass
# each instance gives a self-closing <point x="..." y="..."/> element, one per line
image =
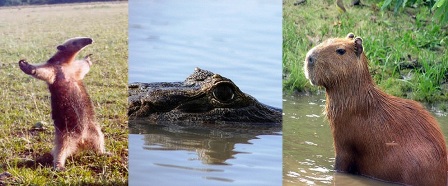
<point x="32" y="33"/>
<point x="407" y="52"/>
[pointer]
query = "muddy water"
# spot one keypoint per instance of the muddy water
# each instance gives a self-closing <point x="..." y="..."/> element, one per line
<point x="308" y="154"/>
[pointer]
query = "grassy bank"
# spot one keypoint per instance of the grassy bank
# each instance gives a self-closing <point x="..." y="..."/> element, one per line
<point x="407" y="52"/>
<point x="32" y="33"/>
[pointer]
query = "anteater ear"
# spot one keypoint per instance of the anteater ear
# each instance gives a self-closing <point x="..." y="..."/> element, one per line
<point x="61" y="47"/>
<point x="350" y="36"/>
<point x="358" y="46"/>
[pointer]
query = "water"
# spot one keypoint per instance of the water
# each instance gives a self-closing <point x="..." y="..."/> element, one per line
<point x="308" y="154"/>
<point x="203" y="156"/>
<point x="240" y="40"/>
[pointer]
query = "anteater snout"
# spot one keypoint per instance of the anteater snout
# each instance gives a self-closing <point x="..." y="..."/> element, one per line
<point x="87" y="41"/>
<point x="81" y="41"/>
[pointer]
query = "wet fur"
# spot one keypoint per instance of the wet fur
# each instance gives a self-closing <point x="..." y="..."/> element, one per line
<point x="72" y="110"/>
<point x="375" y="134"/>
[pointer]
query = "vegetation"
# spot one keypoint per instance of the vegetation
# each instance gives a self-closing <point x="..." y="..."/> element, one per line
<point x="439" y="6"/>
<point x="407" y="52"/>
<point x="32" y="33"/>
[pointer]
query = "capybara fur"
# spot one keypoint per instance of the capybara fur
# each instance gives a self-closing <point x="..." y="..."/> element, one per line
<point x="71" y="108"/>
<point x="375" y="134"/>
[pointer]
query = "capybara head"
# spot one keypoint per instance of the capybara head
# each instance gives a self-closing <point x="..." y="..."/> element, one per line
<point x="74" y="45"/>
<point x="336" y="61"/>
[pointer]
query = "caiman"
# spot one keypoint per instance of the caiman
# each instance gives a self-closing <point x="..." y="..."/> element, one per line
<point x="204" y="97"/>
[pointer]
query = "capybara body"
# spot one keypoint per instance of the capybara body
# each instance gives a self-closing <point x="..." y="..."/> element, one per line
<point x="71" y="108"/>
<point x="375" y="134"/>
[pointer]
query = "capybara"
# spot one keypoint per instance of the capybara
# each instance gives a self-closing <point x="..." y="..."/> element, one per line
<point x="71" y="108"/>
<point x="375" y="134"/>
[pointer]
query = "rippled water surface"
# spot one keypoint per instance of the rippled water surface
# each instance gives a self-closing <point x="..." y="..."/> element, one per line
<point x="308" y="154"/>
<point x="240" y="40"/>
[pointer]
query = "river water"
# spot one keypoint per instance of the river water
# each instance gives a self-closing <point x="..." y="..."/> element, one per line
<point x="240" y="40"/>
<point x="308" y="154"/>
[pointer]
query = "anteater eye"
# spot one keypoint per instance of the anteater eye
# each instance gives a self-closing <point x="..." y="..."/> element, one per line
<point x="340" y="51"/>
<point x="223" y="92"/>
<point x="61" y="47"/>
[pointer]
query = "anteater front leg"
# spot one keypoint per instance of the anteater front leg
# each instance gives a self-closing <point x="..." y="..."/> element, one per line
<point x="43" y="72"/>
<point x="27" y="68"/>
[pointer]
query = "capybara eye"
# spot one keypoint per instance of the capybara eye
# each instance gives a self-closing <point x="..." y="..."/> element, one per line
<point x="340" y="51"/>
<point x="311" y="60"/>
<point x="223" y="92"/>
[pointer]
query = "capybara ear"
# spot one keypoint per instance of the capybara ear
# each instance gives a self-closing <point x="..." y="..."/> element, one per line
<point x="350" y="35"/>
<point x="358" y="46"/>
<point x="61" y="47"/>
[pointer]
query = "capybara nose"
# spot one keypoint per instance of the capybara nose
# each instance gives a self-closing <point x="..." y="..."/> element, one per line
<point x="311" y="60"/>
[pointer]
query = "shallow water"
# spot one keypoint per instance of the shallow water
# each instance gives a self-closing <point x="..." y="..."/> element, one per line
<point x="308" y="154"/>
<point x="240" y="40"/>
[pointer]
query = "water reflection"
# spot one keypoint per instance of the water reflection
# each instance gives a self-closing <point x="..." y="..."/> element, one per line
<point x="213" y="145"/>
<point x="176" y="154"/>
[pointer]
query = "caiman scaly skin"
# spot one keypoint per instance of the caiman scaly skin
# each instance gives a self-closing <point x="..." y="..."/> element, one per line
<point x="204" y="97"/>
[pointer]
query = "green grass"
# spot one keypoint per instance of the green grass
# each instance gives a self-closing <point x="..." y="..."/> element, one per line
<point x="32" y="33"/>
<point x="388" y="40"/>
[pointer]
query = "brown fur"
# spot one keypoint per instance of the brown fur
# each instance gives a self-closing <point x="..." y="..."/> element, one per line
<point x="375" y="134"/>
<point x="72" y="110"/>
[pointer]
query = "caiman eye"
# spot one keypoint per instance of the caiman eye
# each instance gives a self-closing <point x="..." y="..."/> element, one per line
<point x="223" y="92"/>
<point x="340" y="51"/>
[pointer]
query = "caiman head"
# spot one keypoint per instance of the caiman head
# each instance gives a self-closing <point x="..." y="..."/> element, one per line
<point x="203" y="97"/>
